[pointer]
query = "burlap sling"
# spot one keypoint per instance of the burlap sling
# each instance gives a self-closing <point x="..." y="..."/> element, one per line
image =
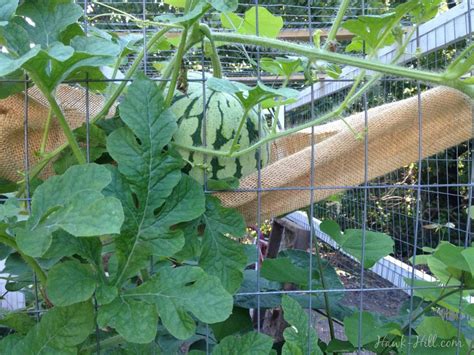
<point x="73" y="102"/>
<point x="339" y="159"/>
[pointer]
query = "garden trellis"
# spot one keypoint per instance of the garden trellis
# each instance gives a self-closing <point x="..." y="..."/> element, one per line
<point x="123" y="251"/>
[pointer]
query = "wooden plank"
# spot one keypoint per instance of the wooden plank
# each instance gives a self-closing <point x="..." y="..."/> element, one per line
<point x="266" y="78"/>
<point x="304" y="34"/>
<point x="297" y="34"/>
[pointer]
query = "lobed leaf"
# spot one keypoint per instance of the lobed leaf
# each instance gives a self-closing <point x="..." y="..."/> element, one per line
<point x="222" y="256"/>
<point x="180" y="292"/>
<point x="250" y="343"/>
<point x="60" y="330"/>
<point x="74" y="203"/>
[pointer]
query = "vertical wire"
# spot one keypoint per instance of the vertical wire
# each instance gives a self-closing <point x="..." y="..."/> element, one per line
<point x="27" y="183"/>
<point x="418" y="197"/>
<point x="364" y="211"/>
<point x="145" y="52"/>
<point x="311" y="191"/>
<point x="204" y="141"/>
<point x="259" y="174"/>
<point x="467" y="237"/>
<point x="87" y="99"/>
<point x="364" y="218"/>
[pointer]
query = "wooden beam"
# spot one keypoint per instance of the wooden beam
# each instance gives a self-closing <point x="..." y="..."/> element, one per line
<point x="267" y="79"/>
<point x="297" y="34"/>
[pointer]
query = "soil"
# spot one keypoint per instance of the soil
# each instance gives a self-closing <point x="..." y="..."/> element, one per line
<point x="383" y="301"/>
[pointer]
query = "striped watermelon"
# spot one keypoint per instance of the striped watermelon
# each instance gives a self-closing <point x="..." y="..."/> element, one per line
<point x="223" y="117"/>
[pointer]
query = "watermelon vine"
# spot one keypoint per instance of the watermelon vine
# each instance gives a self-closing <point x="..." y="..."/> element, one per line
<point x="128" y="251"/>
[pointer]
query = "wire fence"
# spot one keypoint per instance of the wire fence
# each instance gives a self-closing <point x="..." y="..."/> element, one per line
<point x="418" y="205"/>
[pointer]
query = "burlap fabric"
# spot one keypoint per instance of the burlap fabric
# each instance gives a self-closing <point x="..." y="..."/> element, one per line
<point x="339" y="159"/>
<point x="12" y="119"/>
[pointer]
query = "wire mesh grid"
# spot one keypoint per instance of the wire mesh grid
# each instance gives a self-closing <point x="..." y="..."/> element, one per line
<point x="418" y="205"/>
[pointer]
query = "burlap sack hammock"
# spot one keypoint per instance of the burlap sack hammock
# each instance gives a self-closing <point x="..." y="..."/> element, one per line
<point x="339" y="159"/>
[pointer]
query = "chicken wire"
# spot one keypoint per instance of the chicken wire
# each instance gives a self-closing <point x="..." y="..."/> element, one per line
<point x="418" y="205"/>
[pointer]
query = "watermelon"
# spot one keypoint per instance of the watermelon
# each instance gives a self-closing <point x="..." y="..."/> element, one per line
<point x="224" y="113"/>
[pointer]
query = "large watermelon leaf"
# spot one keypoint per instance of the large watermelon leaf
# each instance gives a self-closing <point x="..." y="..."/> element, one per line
<point x="7" y="9"/>
<point x="250" y="343"/>
<point x="222" y="256"/>
<point x="135" y="320"/>
<point x="164" y="197"/>
<point x="177" y="292"/>
<point x="61" y="329"/>
<point x="72" y="202"/>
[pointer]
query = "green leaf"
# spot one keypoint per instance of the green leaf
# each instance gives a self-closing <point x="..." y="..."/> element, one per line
<point x="340" y="346"/>
<point x="175" y="3"/>
<point x="177" y="292"/>
<point x="299" y="335"/>
<point x="229" y="183"/>
<point x="370" y="29"/>
<point x="222" y="256"/>
<point x="283" y="270"/>
<point x="224" y="85"/>
<point x="105" y="294"/>
<point x="136" y="321"/>
<point x="332" y="229"/>
<point x="238" y="322"/>
<point x="425" y="10"/>
<point x="268" y="24"/>
<point x="89" y="52"/>
<point x="452" y="256"/>
<point x="224" y="5"/>
<point x="430" y="326"/>
<point x="60" y="52"/>
<point x="70" y="282"/>
<point x="8" y="343"/>
<point x="20" y="322"/>
<point x="95" y="46"/>
<point x="9" y="65"/>
<point x="282" y="66"/>
<point x="7" y="9"/>
<point x="186" y="18"/>
<point x="72" y="202"/>
<point x="431" y="291"/>
<point x="164" y="197"/>
<point x="468" y="255"/>
<point x="250" y="343"/>
<point x="50" y="18"/>
<point x="377" y="245"/>
<point x="250" y="97"/>
<point x="371" y="329"/>
<point x="61" y="329"/>
<point x="8" y="88"/>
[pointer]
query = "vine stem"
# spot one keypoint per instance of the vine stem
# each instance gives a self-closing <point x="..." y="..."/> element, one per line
<point x="349" y="99"/>
<point x="177" y="63"/>
<point x="323" y="281"/>
<point x="47" y="126"/>
<point x="235" y="141"/>
<point x="343" y="6"/>
<point x="314" y="53"/>
<point x="56" y="109"/>
<point x="215" y="60"/>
